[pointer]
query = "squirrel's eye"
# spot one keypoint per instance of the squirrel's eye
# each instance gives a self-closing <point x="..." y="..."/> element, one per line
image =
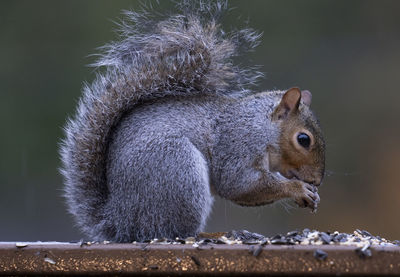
<point x="304" y="140"/>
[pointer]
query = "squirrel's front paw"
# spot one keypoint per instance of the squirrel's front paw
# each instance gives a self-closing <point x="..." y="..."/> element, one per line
<point x="306" y="195"/>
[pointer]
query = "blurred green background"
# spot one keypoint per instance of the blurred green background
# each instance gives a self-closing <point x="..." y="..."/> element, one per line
<point x="347" y="53"/>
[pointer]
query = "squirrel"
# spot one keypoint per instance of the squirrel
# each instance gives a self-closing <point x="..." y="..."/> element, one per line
<point x="172" y="122"/>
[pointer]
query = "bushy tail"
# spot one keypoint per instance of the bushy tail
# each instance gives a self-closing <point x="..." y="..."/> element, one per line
<point x="185" y="54"/>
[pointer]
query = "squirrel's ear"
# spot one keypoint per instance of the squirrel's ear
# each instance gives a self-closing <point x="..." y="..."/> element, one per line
<point x="290" y="102"/>
<point x="306" y="97"/>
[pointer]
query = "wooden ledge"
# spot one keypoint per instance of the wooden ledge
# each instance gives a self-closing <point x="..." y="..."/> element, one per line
<point x="187" y="259"/>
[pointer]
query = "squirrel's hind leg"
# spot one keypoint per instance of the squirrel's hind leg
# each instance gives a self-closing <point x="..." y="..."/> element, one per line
<point x="162" y="191"/>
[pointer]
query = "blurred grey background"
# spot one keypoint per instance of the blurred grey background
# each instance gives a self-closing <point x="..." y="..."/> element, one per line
<point x="347" y="53"/>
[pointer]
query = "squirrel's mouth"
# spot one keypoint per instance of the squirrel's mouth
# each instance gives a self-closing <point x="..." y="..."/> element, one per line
<point x="290" y="176"/>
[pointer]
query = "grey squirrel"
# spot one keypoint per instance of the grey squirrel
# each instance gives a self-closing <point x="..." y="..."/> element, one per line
<point x="171" y="122"/>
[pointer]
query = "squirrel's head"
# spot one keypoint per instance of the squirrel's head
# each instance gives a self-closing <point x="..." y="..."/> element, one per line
<point x="301" y="152"/>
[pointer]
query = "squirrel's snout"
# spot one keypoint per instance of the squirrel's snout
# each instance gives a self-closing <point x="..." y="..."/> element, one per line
<point x="318" y="180"/>
<point x="317" y="184"/>
<point x="313" y="179"/>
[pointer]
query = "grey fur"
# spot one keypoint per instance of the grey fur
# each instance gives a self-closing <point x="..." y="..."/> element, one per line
<point x="167" y="124"/>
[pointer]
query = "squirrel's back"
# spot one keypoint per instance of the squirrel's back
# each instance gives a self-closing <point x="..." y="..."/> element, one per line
<point x="182" y="55"/>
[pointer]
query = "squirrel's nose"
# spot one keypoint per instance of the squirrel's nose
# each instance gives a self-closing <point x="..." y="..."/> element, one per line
<point x="313" y="182"/>
<point x="318" y="181"/>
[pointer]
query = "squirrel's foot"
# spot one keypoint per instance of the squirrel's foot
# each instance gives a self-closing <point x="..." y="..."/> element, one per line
<point x="306" y="195"/>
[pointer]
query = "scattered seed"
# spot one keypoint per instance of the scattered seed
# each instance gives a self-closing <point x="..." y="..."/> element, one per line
<point x="265" y="241"/>
<point x="195" y="260"/>
<point x="206" y="241"/>
<point x="366" y="233"/>
<point x="358" y="238"/>
<point x="292" y="234"/>
<point x="251" y="241"/>
<point x="50" y="261"/>
<point x="278" y="241"/>
<point x="153" y="267"/>
<point x="277" y="237"/>
<point x="219" y="241"/>
<point x="244" y="235"/>
<point x="339" y="237"/>
<point x="363" y="253"/>
<point x="159" y="240"/>
<point x="326" y="239"/>
<point x="298" y="238"/>
<point x="190" y="240"/>
<point x="290" y="241"/>
<point x="257" y="250"/>
<point x="181" y="241"/>
<point x="306" y="231"/>
<point x="320" y="255"/>
<point x="21" y="244"/>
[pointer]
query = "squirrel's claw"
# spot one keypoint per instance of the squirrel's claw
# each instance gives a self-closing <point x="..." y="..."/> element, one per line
<point x="307" y="197"/>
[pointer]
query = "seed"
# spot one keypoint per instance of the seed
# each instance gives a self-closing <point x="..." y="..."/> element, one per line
<point x="363" y="253"/>
<point x="257" y="250"/>
<point x="326" y="239"/>
<point x="320" y="255"/>
<point x="195" y="260"/>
